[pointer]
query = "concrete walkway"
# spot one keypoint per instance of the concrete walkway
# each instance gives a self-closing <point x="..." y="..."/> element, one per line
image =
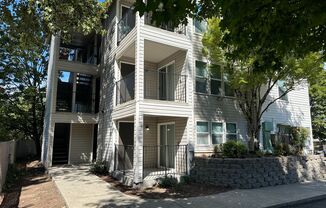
<point x="82" y="189"/>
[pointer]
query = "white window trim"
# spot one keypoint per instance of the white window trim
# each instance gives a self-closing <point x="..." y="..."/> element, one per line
<point x="208" y="134"/>
<point x="208" y="82"/>
<point x="202" y="77"/>
<point x="216" y="79"/>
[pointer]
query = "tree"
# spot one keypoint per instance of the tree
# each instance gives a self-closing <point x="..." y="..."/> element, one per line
<point x="274" y="27"/>
<point x="22" y="72"/>
<point x="259" y="42"/>
<point x="251" y="82"/>
<point x="25" y="30"/>
<point x="317" y="92"/>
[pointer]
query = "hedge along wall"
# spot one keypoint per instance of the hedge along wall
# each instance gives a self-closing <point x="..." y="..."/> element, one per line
<point x="257" y="172"/>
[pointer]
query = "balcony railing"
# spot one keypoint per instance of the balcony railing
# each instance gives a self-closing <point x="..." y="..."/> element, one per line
<point x="165" y="86"/>
<point x="125" y="89"/>
<point x="76" y="55"/>
<point x="158" y="160"/>
<point x="158" y="85"/>
<point x="181" y="29"/>
<point x="125" y="25"/>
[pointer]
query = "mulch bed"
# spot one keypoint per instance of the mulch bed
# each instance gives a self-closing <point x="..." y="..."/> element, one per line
<point x="180" y="191"/>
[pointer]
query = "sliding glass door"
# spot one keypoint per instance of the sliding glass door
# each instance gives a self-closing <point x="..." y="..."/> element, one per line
<point x="167" y="145"/>
<point x="166" y="83"/>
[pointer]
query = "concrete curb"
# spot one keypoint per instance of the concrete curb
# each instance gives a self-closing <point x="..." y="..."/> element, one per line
<point x="299" y="202"/>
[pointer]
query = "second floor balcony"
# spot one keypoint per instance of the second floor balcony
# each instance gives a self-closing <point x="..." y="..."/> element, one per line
<point x="128" y="21"/>
<point x="162" y="85"/>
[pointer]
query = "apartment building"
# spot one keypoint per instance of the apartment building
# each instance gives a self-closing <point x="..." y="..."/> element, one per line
<point x="143" y="100"/>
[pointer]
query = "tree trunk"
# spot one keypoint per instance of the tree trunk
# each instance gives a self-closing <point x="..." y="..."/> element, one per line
<point x="36" y="135"/>
<point x="253" y="132"/>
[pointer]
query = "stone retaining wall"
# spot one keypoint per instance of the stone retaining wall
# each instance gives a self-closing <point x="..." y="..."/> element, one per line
<point x="257" y="172"/>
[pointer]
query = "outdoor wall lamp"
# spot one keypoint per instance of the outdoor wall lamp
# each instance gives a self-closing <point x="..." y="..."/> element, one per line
<point x="147" y="128"/>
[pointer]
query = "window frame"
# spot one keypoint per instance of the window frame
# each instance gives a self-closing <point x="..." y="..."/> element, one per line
<point x="208" y="133"/>
<point x="202" y="77"/>
<point x="222" y="133"/>
<point x="216" y="79"/>
<point x="280" y="91"/>
<point x="236" y="130"/>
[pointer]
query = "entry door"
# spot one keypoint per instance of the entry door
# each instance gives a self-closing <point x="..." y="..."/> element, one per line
<point x="126" y="148"/>
<point x="166" y="83"/>
<point x="61" y="139"/>
<point x="167" y="145"/>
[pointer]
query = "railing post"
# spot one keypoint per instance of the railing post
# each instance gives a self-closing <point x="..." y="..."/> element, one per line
<point x="186" y="158"/>
<point x="185" y="100"/>
<point x="124" y="160"/>
<point x="166" y="160"/>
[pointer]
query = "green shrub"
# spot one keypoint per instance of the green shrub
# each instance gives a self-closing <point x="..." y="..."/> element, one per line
<point x="279" y="149"/>
<point x="234" y="149"/>
<point x="185" y="180"/>
<point x="260" y="153"/>
<point x="167" y="182"/>
<point x="98" y="168"/>
<point x="299" y="137"/>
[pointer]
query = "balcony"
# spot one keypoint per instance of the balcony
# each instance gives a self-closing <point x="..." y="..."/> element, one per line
<point x="160" y="84"/>
<point x="181" y="29"/>
<point x="81" y="49"/>
<point x="128" y="21"/>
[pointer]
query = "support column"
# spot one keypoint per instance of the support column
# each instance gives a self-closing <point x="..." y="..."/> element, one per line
<point x="48" y="129"/>
<point x="139" y="97"/>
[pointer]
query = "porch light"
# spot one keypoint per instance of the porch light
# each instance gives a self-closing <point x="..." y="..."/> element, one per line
<point x="147" y="128"/>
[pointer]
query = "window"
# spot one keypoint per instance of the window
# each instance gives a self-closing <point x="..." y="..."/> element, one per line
<point x="216" y="79"/>
<point x="282" y="90"/>
<point x="228" y="91"/>
<point x="202" y="133"/>
<point x="217" y="133"/>
<point x="65" y="91"/>
<point x="83" y="93"/>
<point x="231" y="131"/>
<point x="201" y="77"/>
<point x="200" y="26"/>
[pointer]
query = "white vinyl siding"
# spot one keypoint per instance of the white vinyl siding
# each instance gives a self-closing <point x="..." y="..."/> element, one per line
<point x="81" y="143"/>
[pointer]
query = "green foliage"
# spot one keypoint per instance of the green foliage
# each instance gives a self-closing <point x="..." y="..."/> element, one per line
<point x="218" y="148"/>
<point x="296" y="143"/>
<point x="252" y="95"/>
<point x="299" y="138"/>
<point x="234" y="149"/>
<point x="23" y="65"/>
<point x="254" y="27"/>
<point x="185" y="180"/>
<point x="99" y="168"/>
<point x="317" y="93"/>
<point x="260" y="153"/>
<point x="279" y="149"/>
<point x="167" y="182"/>
<point x="72" y="16"/>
